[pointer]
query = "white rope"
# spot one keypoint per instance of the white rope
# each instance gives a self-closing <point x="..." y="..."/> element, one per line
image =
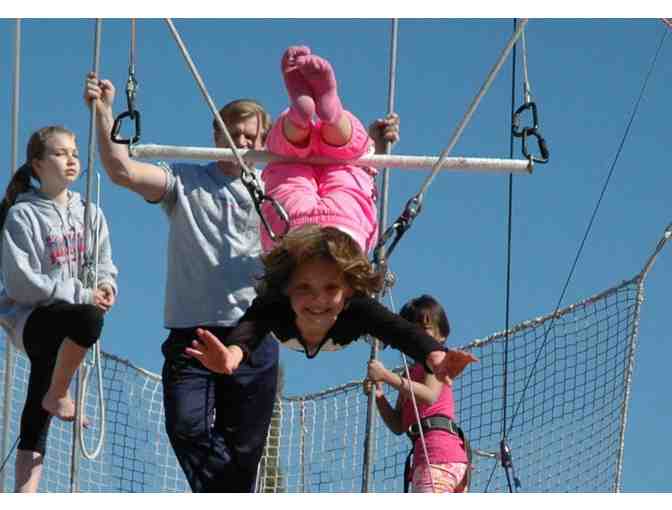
<point x="96" y="351"/>
<point x="405" y="162"/>
<point x="416" y="411"/>
<point x="472" y="107"/>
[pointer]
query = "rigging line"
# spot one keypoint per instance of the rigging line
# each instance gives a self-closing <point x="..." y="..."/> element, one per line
<point x="472" y="107"/>
<point x="248" y="177"/>
<point x="383" y="214"/>
<point x="10" y="356"/>
<point x="86" y="274"/>
<point x="206" y="95"/>
<point x="592" y="219"/>
<point x="527" y="90"/>
<point x="507" y="307"/>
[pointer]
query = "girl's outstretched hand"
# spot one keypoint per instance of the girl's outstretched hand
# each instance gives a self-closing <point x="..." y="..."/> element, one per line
<point x="447" y="365"/>
<point x="213" y="354"/>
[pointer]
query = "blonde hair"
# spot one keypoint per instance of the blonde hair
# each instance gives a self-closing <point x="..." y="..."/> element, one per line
<point x="312" y="242"/>
<point x="242" y="109"/>
<point x="20" y="181"/>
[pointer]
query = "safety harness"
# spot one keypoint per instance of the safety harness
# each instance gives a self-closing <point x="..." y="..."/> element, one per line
<point x="437" y="422"/>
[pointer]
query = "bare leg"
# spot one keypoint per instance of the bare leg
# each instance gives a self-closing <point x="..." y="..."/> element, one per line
<point x="28" y="470"/>
<point x="57" y="401"/>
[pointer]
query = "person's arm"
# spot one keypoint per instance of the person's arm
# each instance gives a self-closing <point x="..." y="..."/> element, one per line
<point x="22" y="273"/>
<point x="410" y="339"/>
<point x="426" y="392"/>
<point x="391" y="416"/>
<point x="144" y="178"/>
<point x="226" y="356"/>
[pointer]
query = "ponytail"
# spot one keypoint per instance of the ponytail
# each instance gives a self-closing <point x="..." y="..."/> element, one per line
<point x="19" y="183"/>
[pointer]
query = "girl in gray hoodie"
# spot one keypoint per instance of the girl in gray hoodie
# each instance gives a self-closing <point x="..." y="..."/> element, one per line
<point x="45" y="307"/>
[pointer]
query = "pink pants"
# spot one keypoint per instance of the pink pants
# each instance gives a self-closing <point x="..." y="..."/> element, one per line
<point x="447" y="477"/>
<point x="341" y="196"/>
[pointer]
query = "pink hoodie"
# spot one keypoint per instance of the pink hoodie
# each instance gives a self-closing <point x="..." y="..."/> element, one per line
<point x="341" y="196"/>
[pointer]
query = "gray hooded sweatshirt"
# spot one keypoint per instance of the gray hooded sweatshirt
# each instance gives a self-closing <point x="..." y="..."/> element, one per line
<point x="41" y="255"/>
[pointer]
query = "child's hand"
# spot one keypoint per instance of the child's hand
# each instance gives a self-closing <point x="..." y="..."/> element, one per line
<point x="376" y="370"/>
<point x="384" y="130"/>
<point x="368" y="384"/>
<point x="447" y="365"/>
<point x="109" y="297"/>
<point x="213" y="354"/>
<point x="100" y="300"/>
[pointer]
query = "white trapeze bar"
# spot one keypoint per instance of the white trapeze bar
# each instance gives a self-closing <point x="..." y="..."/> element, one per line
<point x="485" y="165"/>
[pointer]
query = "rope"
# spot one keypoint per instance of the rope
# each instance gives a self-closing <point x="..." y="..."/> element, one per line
<point x="86" y="272"/>
<point x="414" y="205"/>
<point x="590" y="223"/>
<point x="383" y="210"/>
<point x="10" y="355"/>
<point x="95" y="353"/>
<point x="248" y="177"/>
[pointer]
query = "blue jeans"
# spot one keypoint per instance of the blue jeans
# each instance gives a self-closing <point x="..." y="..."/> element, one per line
<point x="217" y="424"/>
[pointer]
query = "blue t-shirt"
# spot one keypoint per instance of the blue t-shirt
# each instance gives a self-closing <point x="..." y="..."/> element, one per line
<point x="213" y="246"/>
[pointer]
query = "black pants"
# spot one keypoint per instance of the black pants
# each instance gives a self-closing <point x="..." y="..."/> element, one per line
<point x="217" y="424"/>
<point x="45" y="330"/>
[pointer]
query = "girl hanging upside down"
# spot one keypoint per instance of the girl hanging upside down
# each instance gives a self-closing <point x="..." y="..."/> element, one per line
<point x="316" y="291"/>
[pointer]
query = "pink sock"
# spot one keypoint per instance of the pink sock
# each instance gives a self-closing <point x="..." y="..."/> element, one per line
<point x="320" y="75"/>
<point x="302" y="105"/>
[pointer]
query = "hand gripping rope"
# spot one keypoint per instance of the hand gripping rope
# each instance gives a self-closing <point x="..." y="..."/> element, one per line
<point x="131" y="90"/>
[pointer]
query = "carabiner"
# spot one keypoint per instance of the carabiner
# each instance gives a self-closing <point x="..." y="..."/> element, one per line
<point x="135" y="116"/>
<point x="515" y="121"/>
<point x="541" y="144"/>
<point x="279" y="210"/>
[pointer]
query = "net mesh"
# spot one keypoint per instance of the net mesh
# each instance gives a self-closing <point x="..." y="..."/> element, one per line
<point x="568" y="387"/>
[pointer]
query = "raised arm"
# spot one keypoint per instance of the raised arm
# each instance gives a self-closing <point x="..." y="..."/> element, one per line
<point x="144" y="178"/>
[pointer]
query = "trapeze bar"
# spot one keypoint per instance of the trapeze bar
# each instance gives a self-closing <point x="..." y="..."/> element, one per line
<point x="485" y="165"/>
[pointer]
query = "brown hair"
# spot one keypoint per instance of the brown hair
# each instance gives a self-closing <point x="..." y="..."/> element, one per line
<point x="242" y="109"/>
<point x="20" y="181"/>
<point x="425" y="310"/>
<point x="308" y="243"/>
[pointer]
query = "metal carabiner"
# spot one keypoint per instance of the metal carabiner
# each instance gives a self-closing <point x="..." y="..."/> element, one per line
<point x="132" y="113"/>
<point x="541" y="144"/>
<point x="279" y="210"/>
<point x="515" y="121"/>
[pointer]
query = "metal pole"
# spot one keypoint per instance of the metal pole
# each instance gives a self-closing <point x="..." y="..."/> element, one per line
<point x="397" y="161"/>
<point x="10" y="355"/>
<point x="86" y="268"/>
<point x="369" y="445"/>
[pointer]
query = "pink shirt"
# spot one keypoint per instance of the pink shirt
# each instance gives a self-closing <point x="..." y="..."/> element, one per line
<point x="442" y="446"/>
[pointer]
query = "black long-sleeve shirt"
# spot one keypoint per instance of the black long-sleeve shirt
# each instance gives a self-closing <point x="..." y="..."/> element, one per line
<point x="361" y="316"/>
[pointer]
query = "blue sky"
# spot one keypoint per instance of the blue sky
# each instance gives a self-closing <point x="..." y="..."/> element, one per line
<point x="585" y="76"/>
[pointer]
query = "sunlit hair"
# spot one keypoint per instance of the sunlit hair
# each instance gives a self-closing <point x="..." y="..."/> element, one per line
<point x="20" y="181"/>
<point x="426" y="311"/>
<point x="242" y="109"/>
<point x="312" y="242"/>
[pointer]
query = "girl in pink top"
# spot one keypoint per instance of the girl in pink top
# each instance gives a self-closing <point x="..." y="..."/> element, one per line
<point x="315" y="124"/>
<point x="448" y="463"/>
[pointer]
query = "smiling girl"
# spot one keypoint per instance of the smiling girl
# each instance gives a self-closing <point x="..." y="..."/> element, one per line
<point x="44" y="306"/>
<point x="315" y="295"/>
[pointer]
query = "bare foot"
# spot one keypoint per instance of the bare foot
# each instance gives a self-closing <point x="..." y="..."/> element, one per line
<point x="62" y="408"/>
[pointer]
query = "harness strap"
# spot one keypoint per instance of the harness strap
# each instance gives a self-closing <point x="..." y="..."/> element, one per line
<point x="438" y="422"/>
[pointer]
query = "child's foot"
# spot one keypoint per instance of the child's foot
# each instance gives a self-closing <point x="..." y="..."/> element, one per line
<point x="320" y="76"/>
<point x="60" y="407"/>
<point x="302" y="105"/>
